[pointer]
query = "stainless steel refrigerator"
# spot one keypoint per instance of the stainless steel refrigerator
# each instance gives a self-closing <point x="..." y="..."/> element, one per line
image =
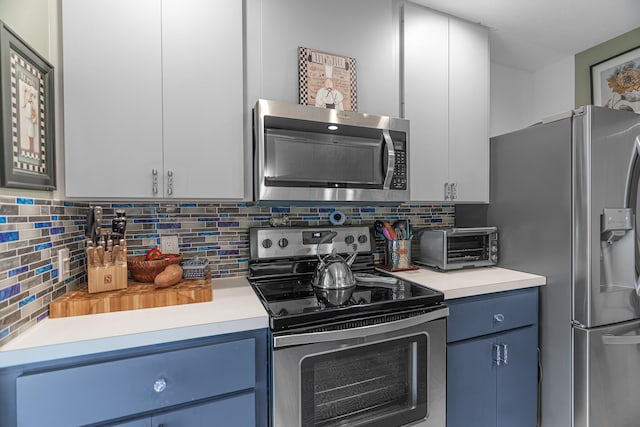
<point x="564" y="196"/>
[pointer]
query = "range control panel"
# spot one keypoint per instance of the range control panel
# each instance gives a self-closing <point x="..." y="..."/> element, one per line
<point x="271" y="243"/>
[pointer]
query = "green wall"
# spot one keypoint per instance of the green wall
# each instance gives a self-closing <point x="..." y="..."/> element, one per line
<point x="596" y="54"/>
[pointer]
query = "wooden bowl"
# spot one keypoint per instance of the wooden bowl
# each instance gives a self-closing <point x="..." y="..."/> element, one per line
<point x="145" y="271"/>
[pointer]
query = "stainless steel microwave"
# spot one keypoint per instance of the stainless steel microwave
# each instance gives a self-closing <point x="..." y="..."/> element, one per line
<point x="305" y="153"/>
<point x="456" y="248"/>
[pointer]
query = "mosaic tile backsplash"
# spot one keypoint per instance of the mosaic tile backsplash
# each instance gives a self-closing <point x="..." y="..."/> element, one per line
<point x="31" y="232"/>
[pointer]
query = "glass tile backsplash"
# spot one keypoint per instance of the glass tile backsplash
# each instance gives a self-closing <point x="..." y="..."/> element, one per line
<point x="32" y="231"/>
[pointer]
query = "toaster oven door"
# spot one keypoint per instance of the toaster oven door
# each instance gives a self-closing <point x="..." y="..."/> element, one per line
<point x="472" y="248"/>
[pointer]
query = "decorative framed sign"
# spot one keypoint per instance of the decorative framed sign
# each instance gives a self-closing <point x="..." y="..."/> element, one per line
<point x="615" y="82"/>
<point x="26" y="93"/>
<point x="327" y="80"/>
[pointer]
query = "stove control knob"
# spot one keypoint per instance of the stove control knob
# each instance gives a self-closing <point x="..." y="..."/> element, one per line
<point x="266" y="243"/>
<point x="362" y="238"/>
<point x="349" y="239"/>
<point x="283" y="243"/>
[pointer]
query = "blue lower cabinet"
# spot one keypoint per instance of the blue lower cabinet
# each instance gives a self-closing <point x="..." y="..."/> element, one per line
<point x="221" y="380"/>
<point x="492" y="375"/>
<point x="471" y="384"/>
<point x="229" y="411"/>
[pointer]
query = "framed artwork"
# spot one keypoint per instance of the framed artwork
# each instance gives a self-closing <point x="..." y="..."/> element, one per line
<point x="615" y="82"/>
<point x="327" y="80"/>
<point x="26" y="93"/>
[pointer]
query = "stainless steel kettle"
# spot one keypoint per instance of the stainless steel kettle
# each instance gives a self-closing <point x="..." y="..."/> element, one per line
<point x="333" y="271"/>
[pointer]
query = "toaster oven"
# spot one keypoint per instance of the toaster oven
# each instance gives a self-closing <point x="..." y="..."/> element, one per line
<point x="456" y="248"/>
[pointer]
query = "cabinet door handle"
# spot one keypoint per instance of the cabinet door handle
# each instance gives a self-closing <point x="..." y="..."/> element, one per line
<point x="505" y="353"/>
<point x="154" y="181"/>
<point x="454" y="191"/>
<point x="169" y="182"/>
<point x="499" y="317"/>
<point x="447" y="191"/>
<point x="497" y="357"/>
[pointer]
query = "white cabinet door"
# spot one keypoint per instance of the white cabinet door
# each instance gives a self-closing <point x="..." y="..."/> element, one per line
<point x="445" y="63"/>
<point x="469" y="111"/>
<point x="203" y="98"/>
<point x="112" y="97"/>
<point x="426" y="100"/>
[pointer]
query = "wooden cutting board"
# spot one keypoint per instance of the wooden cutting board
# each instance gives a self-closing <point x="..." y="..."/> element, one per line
<point x="135" y="296"/>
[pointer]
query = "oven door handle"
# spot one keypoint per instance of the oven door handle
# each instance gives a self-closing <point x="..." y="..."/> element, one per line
<point x="364" y="331"/>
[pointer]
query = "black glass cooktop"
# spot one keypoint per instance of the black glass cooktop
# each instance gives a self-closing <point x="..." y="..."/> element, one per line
<point x="294" y="302"/>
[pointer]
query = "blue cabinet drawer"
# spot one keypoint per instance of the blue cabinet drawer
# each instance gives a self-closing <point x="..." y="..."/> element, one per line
<point x="103" y="391"/>
<point x="487" y="314"/>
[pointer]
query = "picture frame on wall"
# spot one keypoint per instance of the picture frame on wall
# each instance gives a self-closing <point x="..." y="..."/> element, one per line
<point x="327" y="80"/>
<point x="615" y="82"/>
<point x="27" y="114"/>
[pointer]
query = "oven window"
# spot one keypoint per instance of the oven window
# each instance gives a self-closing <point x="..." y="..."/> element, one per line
<point x="468" y="248"/>
<point x="375" y="384"/>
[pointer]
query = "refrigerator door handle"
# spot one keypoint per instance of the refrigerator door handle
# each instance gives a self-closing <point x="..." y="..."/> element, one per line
<point x="621" y="339"/>
<point x="629" y="186"/>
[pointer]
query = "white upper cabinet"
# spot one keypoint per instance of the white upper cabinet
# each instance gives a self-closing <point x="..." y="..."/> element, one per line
<point x="153" y="98"/>
<point x="112" y="96"/>
<point x="445" y="95"/>
<point x="203" y="98"/>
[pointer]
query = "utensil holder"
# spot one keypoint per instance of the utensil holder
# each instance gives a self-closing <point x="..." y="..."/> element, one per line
<point x="397" y="254"/>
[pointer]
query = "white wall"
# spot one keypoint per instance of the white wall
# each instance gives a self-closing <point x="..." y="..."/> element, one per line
<point x="521" y="98"/>
<point x="362" y="29"/>
<point x="30" y="19"/>
<point x="554" y="89"/>
<point x="511" y="93"/>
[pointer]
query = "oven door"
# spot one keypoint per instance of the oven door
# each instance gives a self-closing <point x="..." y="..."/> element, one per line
<point x="382" y="374"/>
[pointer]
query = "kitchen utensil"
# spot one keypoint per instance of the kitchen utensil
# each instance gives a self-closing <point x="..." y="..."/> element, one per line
<point x="119" y="223"/>
<point x="379" y="226"/>
<point x="90" y="256"/>
<point x="392" y="233"/>
<point x="333" y="271"/>
<point x="90" y="224"/>
<point x="100" y="253"/>
<point x="115" y="255"/>
<point x="334" y="297"/>
<point x="97" y="215"/>
<point x="399" y="227"/>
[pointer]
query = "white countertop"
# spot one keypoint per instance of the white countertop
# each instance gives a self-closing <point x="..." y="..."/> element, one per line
<point x="234" y="308"/>
<point x="473" y="281"/>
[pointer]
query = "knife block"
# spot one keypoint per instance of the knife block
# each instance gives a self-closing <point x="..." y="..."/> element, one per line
<point x="107" y="278"/>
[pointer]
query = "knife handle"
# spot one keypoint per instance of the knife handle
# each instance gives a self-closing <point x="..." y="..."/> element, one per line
<point x="90" y="257"/>
<point x="100" y="252"/>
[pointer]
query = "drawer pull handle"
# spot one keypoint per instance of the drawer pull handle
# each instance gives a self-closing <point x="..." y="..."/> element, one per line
<point x="160" y="385"/>
<point x="498" y="317"/>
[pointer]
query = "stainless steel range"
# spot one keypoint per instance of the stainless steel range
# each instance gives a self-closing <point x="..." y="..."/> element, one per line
<point x="372" y="354"/>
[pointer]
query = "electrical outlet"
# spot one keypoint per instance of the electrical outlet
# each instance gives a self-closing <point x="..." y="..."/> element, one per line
<point x="64" y="264"/>
<point x="169" y="244"/>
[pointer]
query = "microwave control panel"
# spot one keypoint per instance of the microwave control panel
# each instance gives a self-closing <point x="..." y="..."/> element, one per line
<point x="399" y="179"/>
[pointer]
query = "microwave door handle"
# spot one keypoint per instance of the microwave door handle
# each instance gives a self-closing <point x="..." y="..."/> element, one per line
<point x="391" y="159"/>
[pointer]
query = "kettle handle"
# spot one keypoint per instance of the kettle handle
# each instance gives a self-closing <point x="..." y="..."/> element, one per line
<point x="324" y="239"/>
